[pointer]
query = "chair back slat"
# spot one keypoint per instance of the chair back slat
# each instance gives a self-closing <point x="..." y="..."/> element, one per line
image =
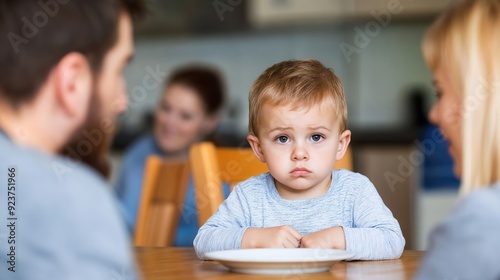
<point x="162" y="197"/>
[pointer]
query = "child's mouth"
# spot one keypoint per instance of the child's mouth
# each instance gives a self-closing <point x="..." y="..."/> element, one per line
<point x="300" y="171"/>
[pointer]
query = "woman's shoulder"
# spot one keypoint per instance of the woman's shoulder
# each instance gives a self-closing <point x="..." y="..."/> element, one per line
<point x="484" y="204"/>
<point x="478" y="210"/>
<point x="471" y="229"/>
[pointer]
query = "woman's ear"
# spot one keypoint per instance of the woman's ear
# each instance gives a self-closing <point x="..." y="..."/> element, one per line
<point x="345" y="139"/>
<point x="257" y="149"/>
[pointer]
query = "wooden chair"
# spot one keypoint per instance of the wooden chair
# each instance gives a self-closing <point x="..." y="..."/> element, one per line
<point x="163" y="193"/>
<point x="211" y="167"/>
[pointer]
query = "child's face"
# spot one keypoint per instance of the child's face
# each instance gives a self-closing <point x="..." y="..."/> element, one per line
<point x="300" y="148"/>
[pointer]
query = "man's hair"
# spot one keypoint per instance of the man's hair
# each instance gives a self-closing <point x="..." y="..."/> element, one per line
<point x="205" y="81"/>
<point x="38" y="34"/>
<point x="301" y="83"/>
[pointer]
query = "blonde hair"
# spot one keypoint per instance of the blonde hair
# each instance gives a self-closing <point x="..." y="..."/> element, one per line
<point x="464" y="41"/>
<point x="302" y="83"/>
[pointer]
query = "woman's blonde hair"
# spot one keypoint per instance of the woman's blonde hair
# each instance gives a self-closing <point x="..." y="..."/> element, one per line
<point x="465" y="41"/>
<point x="302" y="83"/>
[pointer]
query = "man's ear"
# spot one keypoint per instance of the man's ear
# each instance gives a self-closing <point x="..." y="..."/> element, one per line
<point x="257" y="149"/>
<point x="345" y="139"/>
<point x="73" y="85"/>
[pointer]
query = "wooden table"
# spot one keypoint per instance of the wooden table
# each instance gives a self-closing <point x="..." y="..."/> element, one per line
<point x="182" y="263"/>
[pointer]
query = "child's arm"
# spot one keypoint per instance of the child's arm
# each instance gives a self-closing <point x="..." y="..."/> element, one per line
<point x="229" y="228"/>
<point x="329" y="238"/>
<point x="273" y="237"/>
<point x="225" y="229"/>
<point x="375" y="234"/>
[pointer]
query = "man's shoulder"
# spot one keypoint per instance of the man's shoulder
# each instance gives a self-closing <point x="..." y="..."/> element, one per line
<point x="67" y="211"/>
<point x="54" y="186"/>
<point x="49" y="175"/>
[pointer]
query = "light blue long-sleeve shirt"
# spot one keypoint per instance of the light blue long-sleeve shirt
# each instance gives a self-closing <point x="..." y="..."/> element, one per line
<point x="466" y="245"/>
<point x="371" y="231"/>
<point x="63" y="223"/>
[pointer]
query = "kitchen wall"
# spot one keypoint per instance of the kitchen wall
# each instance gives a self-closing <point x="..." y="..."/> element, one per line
<point x="376" y="74"/>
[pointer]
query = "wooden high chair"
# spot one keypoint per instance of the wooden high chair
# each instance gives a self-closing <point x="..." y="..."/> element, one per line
<point x="163" y="193"/>
<point x="211" y="167"/>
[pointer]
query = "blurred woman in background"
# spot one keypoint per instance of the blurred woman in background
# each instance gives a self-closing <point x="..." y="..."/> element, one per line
<point x="188" y="112"/>
<point x="462" y="49"/>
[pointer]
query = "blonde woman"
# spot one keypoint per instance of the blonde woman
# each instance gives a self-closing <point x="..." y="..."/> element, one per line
<point x="462" y="49"/>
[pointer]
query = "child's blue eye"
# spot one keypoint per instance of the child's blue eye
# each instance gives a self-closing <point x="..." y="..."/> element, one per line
<point x="316" y="138"/>
<point x="282" y="139"/>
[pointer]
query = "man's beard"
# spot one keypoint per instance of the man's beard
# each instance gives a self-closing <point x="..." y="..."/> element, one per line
<point x="89" y="144"/>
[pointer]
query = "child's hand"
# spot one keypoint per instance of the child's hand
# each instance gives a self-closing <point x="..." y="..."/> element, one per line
<point x="274" y="237"/>
<point x="330" y="238"/>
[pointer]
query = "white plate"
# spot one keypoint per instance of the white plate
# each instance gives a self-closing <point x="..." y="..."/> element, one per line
<point x="279" y="261"/>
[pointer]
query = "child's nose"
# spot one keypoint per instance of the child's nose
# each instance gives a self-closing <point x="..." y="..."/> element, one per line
<point x="299" y="153"/>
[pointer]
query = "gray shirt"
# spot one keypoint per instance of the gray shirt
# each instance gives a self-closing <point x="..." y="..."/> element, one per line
<point x="466" y="245"/>
<point x="63" y="222"/>
<point x="371" y="232"/>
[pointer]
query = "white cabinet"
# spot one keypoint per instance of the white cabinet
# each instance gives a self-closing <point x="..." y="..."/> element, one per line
<point x="398" y="8"/>
<point x="264" y="13"/>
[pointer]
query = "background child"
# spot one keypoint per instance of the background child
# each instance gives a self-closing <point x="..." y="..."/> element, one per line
<point x="297" y="126"/>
